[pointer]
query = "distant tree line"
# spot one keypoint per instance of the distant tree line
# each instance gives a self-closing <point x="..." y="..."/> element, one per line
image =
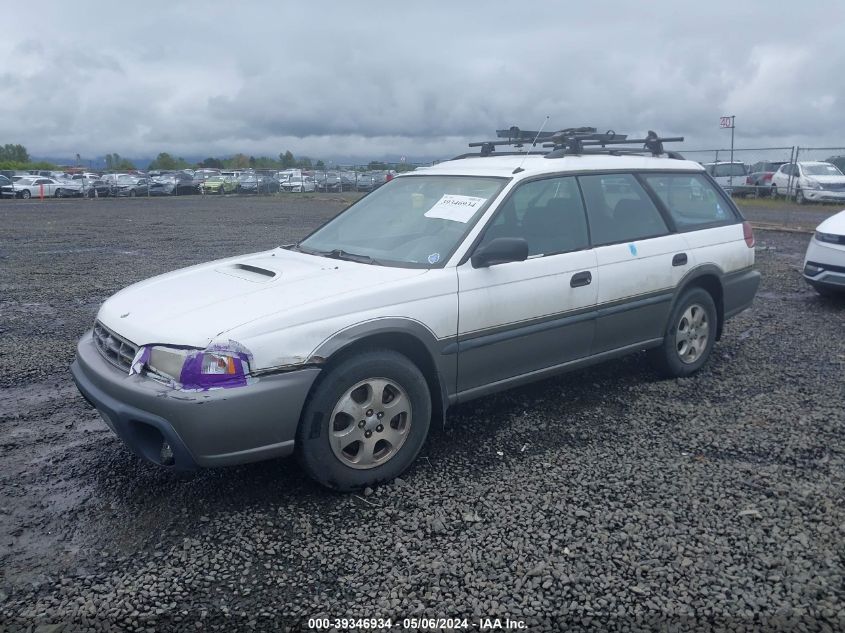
<point x="17" y="157"/>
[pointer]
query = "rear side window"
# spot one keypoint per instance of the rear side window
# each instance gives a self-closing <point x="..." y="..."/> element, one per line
<point x="619" y="209"/>
<point x="728" y="169"/>
<point x="692" y="201"/>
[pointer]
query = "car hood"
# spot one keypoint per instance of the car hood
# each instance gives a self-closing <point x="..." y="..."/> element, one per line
<point x="196" y="305"/>
<point x="834" y="224"/>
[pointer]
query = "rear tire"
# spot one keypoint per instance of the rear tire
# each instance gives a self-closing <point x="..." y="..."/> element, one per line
<point x="689" y="336"/>
<point x="348" y="451"/>
<point x="774" y="192"/>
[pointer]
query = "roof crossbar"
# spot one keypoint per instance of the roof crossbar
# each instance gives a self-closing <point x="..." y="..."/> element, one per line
<point x="579" y="140"/>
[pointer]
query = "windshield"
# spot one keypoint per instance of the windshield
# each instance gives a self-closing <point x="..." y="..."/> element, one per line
<point x="126" y="179"/>
<point x="729" y="169"/>
<point x="821" y="169"/>
<point x="413" y="221"/>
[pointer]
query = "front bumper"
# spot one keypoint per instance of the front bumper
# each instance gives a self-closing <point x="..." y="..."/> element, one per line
<point x="219" y="427"/>
<point x="824" y="265"/>
<point x="822" y="195"/>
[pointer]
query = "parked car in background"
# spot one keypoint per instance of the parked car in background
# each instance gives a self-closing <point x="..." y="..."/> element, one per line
<point x="201" y="175"/>
<point x="365" y="182"/>
<point x="5" y="181"/>
<point x="760" y="175"/>
<point x="809" y="181"/>
<point x="257" y="183"/>
<point x="130" y="186"/>
<point x="348" y="180"/>
<point x="328" y="181"/>
<point x="824" y="263"/>
<point x="728" y="174"/>
<point x="219" y="184"/>
<point x="32" y="186"/>
<point x="97" y="189"/>
<point x="299" y="184"/>
<point x="172" y="184"/>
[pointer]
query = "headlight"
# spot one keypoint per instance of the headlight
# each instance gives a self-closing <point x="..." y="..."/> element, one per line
<point x="811" y="184"/>
<point x="827" y="237"/>
<point x="195" y="369"/>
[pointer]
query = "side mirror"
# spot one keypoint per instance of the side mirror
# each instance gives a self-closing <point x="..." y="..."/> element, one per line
<point x="500" y="251"/>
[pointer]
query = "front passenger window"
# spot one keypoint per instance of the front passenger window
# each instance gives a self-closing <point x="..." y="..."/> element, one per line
<point x="547" y="213"/>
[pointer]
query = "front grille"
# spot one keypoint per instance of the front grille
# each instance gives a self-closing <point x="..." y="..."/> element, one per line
<point x="115" y="349"/>
<point x="834" y="186"/>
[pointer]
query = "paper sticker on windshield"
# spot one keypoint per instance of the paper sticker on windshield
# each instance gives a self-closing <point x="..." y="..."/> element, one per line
<point x="455" y="207"/>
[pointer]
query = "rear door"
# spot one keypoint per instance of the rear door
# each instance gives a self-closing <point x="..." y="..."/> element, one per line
<point x="710" y="226"/>
<point x="521" y="317"/>
<point x="640" y="261"/>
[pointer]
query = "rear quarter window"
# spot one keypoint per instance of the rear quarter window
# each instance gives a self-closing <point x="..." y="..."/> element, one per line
<point x="691" y="199"/>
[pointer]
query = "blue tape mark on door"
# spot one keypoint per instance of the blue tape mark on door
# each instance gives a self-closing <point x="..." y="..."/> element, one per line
<point x="633" y="249"/>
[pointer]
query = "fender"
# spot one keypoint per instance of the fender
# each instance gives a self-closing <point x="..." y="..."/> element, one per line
<point x="696" y="273"/>
<point x="445" y="366"/>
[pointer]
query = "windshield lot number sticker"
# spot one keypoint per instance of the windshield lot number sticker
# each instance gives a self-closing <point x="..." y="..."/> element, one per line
<point x="455" y="207"/>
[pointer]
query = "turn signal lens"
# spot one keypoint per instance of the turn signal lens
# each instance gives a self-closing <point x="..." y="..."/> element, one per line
<point x="218" y="364"/>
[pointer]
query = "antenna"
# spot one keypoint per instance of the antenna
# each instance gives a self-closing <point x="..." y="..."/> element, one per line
<point x="533" y="144"/>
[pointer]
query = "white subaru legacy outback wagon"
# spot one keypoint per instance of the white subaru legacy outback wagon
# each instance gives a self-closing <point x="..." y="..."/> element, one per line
<point x="448" y="283"/>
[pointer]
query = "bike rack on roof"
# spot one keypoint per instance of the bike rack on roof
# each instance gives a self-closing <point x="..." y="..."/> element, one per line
<point x="577" y="141"/>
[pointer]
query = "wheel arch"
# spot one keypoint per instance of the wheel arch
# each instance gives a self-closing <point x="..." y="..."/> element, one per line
<point x="405" y="336"/>
<point x="709" y="278"/>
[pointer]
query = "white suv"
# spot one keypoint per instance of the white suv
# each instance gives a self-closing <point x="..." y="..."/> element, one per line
<point x="809" y="181"/>
<point x="445" y="284"/>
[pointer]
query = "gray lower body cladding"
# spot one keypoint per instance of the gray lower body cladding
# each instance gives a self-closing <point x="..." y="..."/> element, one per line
<point x="204" y="428"/>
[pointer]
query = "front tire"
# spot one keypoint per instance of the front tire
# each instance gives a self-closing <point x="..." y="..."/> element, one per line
<point x="799" y="197"/>
<point x="26" y="194"/>
<point x="59" y="193"/>
<point x="690" y="335"/>
<point x="365" y="422"/>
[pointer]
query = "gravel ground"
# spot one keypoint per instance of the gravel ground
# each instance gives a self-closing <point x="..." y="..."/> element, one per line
<point x="605" y="499"/>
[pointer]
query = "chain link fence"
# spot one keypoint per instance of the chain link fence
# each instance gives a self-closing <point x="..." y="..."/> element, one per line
<point x="753" y="167"/>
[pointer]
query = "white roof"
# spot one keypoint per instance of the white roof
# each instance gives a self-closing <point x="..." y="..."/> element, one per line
<point x="813" y="162"/>
<point x="537" y="164"/>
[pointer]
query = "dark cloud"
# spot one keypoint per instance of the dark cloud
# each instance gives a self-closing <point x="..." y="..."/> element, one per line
<point x="375" y="78"/>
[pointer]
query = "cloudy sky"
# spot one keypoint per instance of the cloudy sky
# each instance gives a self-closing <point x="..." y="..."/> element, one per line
<point x="381" y="79"/>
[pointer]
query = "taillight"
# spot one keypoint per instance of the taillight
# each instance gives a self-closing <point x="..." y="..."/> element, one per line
<point x="767" y="178"/>
<point x="748" y="234"/>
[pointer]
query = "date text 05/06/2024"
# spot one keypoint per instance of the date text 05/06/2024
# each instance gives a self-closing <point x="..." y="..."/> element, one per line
<point x="417" y="624"/>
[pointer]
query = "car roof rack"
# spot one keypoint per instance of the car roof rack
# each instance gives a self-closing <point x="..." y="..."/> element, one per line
<point x="576" y="141"/>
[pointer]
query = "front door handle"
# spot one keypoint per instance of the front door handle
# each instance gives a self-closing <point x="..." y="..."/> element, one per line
<point x="581" y="279"/>
<point x="680" y="259"/>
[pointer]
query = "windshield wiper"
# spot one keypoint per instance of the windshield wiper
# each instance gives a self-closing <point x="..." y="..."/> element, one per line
<point x="339" y="253"/>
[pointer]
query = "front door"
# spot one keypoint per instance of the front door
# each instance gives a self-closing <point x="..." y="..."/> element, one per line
<point x="520" y="317"/>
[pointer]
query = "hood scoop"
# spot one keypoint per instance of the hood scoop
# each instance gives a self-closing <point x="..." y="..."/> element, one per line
<point x="249" y="272"/>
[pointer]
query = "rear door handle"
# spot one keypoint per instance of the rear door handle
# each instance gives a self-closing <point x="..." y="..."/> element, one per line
<point x="581" y="279"/>
<point x="680" y="259"/>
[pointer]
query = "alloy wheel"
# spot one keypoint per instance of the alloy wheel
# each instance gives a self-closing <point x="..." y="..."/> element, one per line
<point x="370" y="423"/>
<point x="692" y="334"/>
